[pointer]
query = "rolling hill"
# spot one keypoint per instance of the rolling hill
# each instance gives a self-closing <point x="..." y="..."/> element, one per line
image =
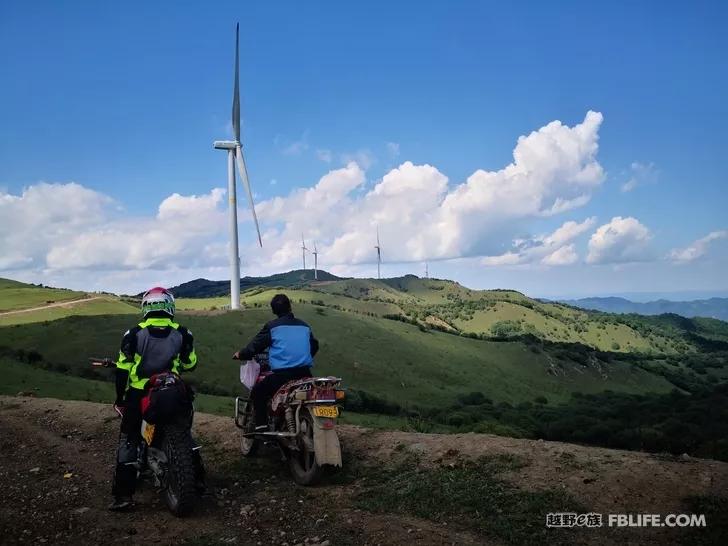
<point x="203" y="288"/>
<point x="430" y="354"/>
<point x="489" y="314"/>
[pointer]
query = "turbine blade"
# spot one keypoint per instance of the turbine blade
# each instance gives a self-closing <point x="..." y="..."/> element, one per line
<point x="236" y="92"/>
<point x="242" y="169"/>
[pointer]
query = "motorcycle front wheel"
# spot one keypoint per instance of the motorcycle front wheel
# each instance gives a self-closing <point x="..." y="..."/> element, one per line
<point x="179" y="487"/>
<point x="248" y="444"/>
<point x="302" y="462"/>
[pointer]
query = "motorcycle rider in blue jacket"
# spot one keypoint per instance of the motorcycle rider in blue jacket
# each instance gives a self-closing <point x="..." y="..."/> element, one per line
<point x="291" y="347"/>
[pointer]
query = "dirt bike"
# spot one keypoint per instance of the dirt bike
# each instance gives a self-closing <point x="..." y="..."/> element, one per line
<point x="167" y="451"/>
<point x="301" y="422"/>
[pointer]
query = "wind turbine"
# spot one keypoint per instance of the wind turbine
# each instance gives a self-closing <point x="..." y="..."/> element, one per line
<point x="303" y="250"/>
<point x="379" y="256"/>
<point x="315" y="262"/>
<point x="235" y="154"/>
<point x="427" y="271"/>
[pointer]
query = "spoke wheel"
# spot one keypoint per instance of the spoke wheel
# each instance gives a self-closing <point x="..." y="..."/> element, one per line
<point x="302" y="462"/>
<point x="248" y="444"/>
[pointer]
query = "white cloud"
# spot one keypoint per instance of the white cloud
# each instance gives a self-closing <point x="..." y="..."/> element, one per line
<point x="325" y="155"/>
<point x="549" y="249"/>
<point x="68" y="226"/>
<point x="363" y="158"/>
<point x="697" y="248"/>
<point x="421" y="215"/>
<point x="297" y="147"/>
<point x="419" y="212"/>
<point x="640" y="174"/>
<point x="566" y="255"/>
<point x="621" y="240"/>
<point x="393" y="149"/>
<point x="44" y="215"/>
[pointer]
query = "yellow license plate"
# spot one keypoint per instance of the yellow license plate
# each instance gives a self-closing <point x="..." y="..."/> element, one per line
<point x="148" y="433"/>
<point x="326" y="411"/>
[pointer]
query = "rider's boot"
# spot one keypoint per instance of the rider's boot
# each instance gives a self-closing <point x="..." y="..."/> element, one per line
<point x="121" y="503"/>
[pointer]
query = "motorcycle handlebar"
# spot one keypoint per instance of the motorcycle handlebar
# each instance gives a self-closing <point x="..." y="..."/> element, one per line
<point x="102" y="362"/>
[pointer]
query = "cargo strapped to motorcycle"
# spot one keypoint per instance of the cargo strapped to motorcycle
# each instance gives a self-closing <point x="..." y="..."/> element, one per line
<point x="167" y="398"/>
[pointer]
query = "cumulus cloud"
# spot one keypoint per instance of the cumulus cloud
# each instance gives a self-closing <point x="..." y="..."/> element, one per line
<point x="68" y="226"/>
<point x="419" y="212"/>
<point x="621" y="240"/>
<point x="42" y="216"/>
<point x="697" y="248"/>
<point x="640" y="174"/>
<point x="550" y="249"/>
<point x="421" y="215"/>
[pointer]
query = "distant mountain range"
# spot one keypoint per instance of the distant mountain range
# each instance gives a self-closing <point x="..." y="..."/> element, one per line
<point x="712" y="307"/>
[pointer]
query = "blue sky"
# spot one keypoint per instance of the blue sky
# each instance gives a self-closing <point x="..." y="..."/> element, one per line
<point x="125" y="100"/>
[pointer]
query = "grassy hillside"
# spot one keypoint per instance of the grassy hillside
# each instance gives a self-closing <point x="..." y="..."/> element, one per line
<point x="393" y="360"/>
<point x="428" y="355"/>
<point x="203" y="288"/>
<point x="88" y="307"/>
<point x="487" y="314"/>
<point x="15" y="295"/>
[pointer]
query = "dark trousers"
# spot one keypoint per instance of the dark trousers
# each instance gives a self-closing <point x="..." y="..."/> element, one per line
<point x="262" y="392"/>
<point x="130" y="438"/>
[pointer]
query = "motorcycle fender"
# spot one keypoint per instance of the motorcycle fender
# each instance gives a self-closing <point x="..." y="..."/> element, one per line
<point x="326" y="442"/>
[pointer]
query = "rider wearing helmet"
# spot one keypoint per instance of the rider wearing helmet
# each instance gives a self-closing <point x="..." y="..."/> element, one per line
<point x="155" y="345"/>
<point x="292" y="348"/>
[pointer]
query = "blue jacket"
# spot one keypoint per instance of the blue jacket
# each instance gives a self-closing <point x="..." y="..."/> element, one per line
<point x="290" y="341"/>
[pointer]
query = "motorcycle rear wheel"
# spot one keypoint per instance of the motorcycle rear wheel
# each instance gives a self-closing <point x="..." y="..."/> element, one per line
<point x="179" y="491"/>
<point x="302" y="462"/>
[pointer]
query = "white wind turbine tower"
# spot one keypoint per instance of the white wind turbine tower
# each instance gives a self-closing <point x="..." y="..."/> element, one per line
<point x="303" y="251"/>
<point x="427" y="270"/>
<point x="379" y="256"/>
<point x="235" y="154"/>
<point x="315" y="261"/>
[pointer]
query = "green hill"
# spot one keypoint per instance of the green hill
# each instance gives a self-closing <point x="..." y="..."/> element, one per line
<point x="22" y="303"/>
<point x="16" y="295"/>
<point x="487" y="314"/>
<point x="429" y="354"/>
<point x="203" y="288"/>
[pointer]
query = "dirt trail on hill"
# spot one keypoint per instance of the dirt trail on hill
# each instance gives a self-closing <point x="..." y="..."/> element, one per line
<point x="49" y="305"/>
<point x="254" y="501"/>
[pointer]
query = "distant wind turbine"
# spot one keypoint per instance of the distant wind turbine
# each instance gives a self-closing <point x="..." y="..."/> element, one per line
<point x="303" y="250"/>
<point x="379" y="256"/>
<point x="235" y="154"/>
<point x="315" y="262"/>
<point x="427" y="271"/>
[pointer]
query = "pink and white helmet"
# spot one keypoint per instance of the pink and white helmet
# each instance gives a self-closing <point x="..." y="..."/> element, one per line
<point x="158" y="299"/>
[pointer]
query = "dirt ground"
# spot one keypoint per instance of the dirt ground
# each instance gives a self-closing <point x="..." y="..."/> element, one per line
<point x="58" y="458"/>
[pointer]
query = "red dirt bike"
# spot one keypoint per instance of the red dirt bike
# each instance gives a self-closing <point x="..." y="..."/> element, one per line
<point x="167" y="451"/>
<point x="302" y="423"/>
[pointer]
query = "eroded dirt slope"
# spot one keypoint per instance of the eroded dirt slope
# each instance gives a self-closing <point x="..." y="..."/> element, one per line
<point x="58" y="456"/>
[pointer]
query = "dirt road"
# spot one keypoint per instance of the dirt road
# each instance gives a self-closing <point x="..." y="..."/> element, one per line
<point x="58" y="455"/>
<point x="67" y="303"/>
